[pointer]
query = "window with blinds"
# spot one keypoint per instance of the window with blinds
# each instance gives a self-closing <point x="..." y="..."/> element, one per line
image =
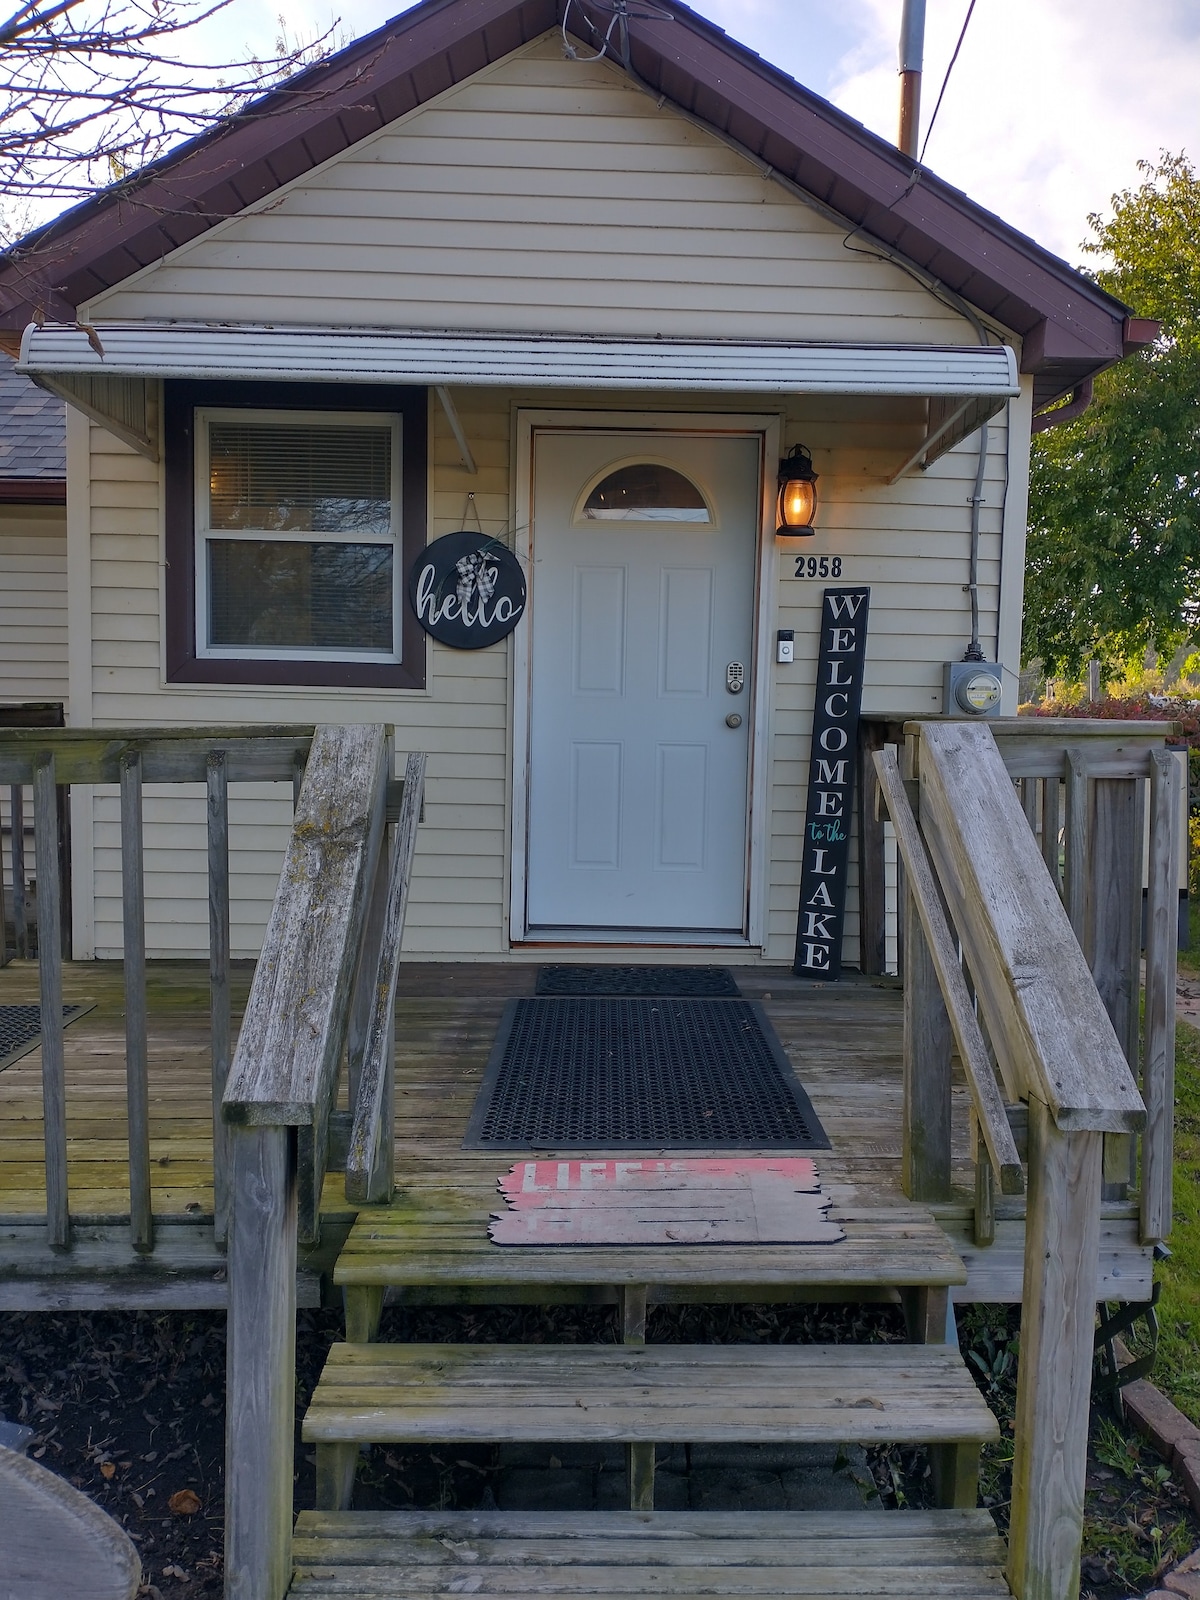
<point x="297" y="522"/>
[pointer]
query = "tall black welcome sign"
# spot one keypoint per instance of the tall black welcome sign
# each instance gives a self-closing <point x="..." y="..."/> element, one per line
<point x="826" y="856"/>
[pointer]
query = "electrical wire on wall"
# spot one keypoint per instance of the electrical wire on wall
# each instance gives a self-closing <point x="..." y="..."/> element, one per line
<point x="620" y="14"/>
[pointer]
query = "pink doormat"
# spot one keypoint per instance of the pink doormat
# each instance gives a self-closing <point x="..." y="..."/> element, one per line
<point x="651" y="1201"/>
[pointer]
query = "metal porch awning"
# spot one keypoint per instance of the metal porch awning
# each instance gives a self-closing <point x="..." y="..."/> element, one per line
<point x="92" y="367"/>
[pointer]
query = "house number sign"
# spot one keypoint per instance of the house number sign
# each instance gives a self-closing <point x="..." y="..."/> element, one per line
<point x="467" y="590"/>
<point x="831" y="783"/>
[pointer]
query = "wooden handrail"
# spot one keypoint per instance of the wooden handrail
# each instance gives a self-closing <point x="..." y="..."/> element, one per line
<point x="168" y="755"/>
<point x="968" y="1036"/>
<point x="1055" y="1046"/>
<point x="369" y="1163"/>
<point x="1052" y="1036"/>
<point x="294" y="1027"/>
<point x="320" y="957"/>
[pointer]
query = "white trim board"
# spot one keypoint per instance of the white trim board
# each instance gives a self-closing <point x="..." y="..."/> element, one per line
<point x="767" y="428"/>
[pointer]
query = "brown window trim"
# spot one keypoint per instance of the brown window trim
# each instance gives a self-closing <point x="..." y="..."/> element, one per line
<point x="180" y="402"/>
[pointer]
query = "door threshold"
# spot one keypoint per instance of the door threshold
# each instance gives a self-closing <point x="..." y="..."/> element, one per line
<point x="665" y="938"/>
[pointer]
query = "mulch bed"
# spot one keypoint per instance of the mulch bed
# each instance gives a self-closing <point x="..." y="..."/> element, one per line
<point x="129" y="1407"/>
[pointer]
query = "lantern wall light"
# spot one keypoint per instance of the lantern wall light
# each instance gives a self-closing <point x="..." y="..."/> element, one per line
<point x="796" y="509"/>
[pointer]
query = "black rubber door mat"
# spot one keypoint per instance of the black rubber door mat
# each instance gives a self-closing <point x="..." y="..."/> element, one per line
<point x="711" y="983"/>
<point x="637" y="1073"/>
<point x="21" y="1029"/>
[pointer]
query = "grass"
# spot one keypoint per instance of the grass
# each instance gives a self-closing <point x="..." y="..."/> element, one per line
<point x="1189" y="959"/>
<point x="1177" y="1371"/>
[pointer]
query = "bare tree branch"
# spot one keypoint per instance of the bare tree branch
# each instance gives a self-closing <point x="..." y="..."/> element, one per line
<point x="93" y="91"/>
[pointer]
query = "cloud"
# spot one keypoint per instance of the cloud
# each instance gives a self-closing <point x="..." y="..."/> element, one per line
<point x="1050" y="105"/>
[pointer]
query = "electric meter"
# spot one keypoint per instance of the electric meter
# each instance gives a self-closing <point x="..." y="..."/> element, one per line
<point x="973" y="689"/>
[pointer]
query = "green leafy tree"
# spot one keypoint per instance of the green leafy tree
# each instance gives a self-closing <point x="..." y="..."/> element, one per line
<point x="1114" y="523"/>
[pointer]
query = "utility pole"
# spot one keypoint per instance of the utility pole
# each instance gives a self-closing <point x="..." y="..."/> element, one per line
<point x="912" y="55"/>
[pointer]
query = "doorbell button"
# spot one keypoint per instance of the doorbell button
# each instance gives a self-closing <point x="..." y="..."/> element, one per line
<point x="785" y="646"/>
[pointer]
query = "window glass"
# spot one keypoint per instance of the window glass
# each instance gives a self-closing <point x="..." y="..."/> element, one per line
<point x="646" y="492"/>
<point x="297" y="524"/>
<point x="296" y="595"/>
<point x="304" y="477"/>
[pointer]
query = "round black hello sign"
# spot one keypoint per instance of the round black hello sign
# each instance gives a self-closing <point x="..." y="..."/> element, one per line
<point x="467" y="590"/>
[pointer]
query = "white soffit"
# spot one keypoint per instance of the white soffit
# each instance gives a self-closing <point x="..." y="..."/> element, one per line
<point x="541" y="361"/>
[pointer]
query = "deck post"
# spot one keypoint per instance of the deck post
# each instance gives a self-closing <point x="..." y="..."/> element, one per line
<point x="1075" y="842"/>
<point x="927" y="1044"/>
<point x="1050" y="827"/>
<point x="1058" y="1318"/>
<point x="54" y="1087"/>
<point x="1158" y="1066"/>
<point x="16" y="812"/>
<point x="217" y="774"/>
<point x="137" y="1088"/>
<point x="872" y="871"/>
<point x="260" y="1363"/>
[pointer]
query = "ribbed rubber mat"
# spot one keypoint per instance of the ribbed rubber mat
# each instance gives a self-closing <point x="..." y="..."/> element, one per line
<point x="20" y="1027"/>
<point x="640" y="1073"/>
<point x="708" y="983"/>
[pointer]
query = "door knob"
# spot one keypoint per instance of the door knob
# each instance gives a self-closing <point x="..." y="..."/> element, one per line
<point x="733" y="720"/>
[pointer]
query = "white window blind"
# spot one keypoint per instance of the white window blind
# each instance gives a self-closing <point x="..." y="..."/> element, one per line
<point x="297" y="526"/>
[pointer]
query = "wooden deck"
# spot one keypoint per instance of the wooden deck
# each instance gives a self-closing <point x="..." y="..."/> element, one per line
<point x="845" y="1041"/>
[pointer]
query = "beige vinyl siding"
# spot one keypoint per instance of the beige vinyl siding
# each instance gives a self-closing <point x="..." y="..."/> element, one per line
<point x="456" y="904"/>
<point x="33" y="635"/>
<point x="33" y="603"/>
<point x="541" y="195"/>
<point x="910" y="543"/>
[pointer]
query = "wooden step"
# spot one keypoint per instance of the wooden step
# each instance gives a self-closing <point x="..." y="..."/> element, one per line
<point x="433" y="1236"/>
<point x="670" y="1394"/>
<point x="420" y="1555"/>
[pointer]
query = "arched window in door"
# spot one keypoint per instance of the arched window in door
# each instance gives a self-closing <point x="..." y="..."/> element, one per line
<point x="646" y="491"/>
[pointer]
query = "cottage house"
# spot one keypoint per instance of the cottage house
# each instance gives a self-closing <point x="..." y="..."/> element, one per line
<point x="559" y="395"/>
<point x="468" y="276"/>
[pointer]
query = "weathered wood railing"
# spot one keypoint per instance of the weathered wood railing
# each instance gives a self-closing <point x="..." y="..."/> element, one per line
<point x="50" y="760"/>
<point x="325" y="984"/>
<point x="984" y="918"/>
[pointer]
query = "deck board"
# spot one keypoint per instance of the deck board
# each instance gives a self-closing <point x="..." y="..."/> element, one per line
<point x="844" y="1039"/>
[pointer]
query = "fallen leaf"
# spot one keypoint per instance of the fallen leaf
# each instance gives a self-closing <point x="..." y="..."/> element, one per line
<point x="184" y="1502"/>
<point x="107" y="1470"/>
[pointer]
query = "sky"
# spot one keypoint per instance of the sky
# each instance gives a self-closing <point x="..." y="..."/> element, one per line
<point x="1049" y="108"/>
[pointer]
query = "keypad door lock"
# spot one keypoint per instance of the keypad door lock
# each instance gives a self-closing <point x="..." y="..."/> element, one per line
<point x="735" y="677"/>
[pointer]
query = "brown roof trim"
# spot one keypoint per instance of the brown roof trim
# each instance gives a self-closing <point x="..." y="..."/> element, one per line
<point x="1070" y="327"/>
<point x="33" y="492"/>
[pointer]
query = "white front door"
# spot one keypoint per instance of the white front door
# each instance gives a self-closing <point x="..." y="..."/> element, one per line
<point x="642" y="599"/>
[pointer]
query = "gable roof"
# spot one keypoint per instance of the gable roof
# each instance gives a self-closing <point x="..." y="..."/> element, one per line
<point x="1070" y="328"/>
<point x="33" y="430"/>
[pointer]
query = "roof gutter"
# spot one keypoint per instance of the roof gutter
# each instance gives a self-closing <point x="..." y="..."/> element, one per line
<point x="1081" y="399"/>
<point x="1137" y="334"/>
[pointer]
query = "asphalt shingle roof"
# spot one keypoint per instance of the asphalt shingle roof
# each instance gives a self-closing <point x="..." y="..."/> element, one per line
<point x="32" y="428"/>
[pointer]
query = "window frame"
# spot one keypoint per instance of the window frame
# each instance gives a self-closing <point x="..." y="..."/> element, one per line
<point x="189" y="659"/>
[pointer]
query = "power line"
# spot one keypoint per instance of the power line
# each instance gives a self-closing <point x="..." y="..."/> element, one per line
<point x="941" y="92"/>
